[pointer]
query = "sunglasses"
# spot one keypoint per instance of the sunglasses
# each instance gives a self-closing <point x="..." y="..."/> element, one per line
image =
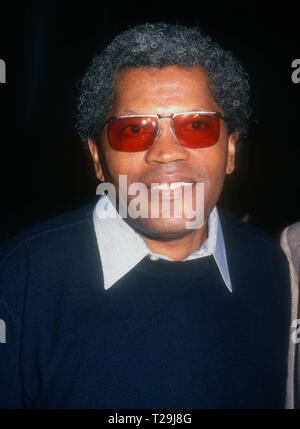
<point x="137" y="133"/>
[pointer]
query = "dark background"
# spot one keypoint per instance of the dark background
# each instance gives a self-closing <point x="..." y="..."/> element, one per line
<point x="47" y="46"/>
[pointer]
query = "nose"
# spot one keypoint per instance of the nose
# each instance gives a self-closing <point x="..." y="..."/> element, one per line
<point x="166" y="148"/>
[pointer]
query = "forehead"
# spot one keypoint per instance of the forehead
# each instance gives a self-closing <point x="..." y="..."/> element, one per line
<point x="168" y="89"/>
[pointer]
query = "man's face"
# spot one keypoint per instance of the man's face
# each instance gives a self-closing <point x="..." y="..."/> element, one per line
<point x="166" y="91"/>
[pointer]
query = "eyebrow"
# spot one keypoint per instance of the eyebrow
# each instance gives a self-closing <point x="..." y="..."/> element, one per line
<point x="193" y="109"/>
<point x="129" y="112"/>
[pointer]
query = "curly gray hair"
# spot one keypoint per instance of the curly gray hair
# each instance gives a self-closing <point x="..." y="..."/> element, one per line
<point x="159" y="45"/>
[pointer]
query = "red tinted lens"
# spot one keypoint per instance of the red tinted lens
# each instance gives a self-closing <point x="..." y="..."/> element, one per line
<point x="195" y="130"/>
<point x="132" y="134"/>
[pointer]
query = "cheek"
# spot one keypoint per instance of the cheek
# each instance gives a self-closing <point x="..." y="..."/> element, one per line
<point x="213" y="167"/>
<point x="216" y="166"/>
<point x="212" y="163"/>
<point x="125" y="163"/>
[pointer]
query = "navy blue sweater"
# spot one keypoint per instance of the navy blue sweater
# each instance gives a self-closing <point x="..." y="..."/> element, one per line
<point x="166" y="335"/>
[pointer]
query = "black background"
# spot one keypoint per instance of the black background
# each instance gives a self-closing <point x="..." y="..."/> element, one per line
<point x="47" y="46"/>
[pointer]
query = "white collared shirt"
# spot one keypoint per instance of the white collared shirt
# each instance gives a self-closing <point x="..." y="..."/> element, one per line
<point x="117" y="241"/>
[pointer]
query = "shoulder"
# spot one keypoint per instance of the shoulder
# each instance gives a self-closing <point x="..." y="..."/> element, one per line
<point x="293" y="240"/>
<point x="257" y="264"/>
<point x="241" y="232"/>
<point x="250" y="245"/>
<point x="44" y="254"/>
<point x="41" y="234"/>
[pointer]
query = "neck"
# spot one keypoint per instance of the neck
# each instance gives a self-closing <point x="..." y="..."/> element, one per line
<point x="178" y="248"/>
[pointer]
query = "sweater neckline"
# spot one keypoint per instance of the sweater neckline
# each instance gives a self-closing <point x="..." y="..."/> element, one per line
<point x="176" y="270"/>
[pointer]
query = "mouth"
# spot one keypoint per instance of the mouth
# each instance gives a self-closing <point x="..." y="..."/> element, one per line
<point x="169" y="186"/>
<point x="170" y="191"/>
<point x="167" y="181"/>
<point x="173" y="187"/>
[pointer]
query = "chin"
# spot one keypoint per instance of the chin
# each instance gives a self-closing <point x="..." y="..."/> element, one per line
<point x="163" y="229"/>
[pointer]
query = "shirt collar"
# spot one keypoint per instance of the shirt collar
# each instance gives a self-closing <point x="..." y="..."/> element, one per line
<point x="117" y="241"/>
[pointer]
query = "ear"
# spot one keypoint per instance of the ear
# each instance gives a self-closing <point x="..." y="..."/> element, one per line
<point x="232" y="140"/>
<point x="96" y="159"/>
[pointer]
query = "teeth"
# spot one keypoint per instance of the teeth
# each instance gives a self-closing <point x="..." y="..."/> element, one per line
<point x="179" y="184"/>
<point x="169" y="186"/>
<point x="160" y="187"/>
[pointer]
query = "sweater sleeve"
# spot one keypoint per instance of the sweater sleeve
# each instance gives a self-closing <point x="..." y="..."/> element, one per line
<point x="13" y="274"/>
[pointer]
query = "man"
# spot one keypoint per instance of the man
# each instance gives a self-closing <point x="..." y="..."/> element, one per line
<point x="156" y="301"/>
<point x="290" y="243"/>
